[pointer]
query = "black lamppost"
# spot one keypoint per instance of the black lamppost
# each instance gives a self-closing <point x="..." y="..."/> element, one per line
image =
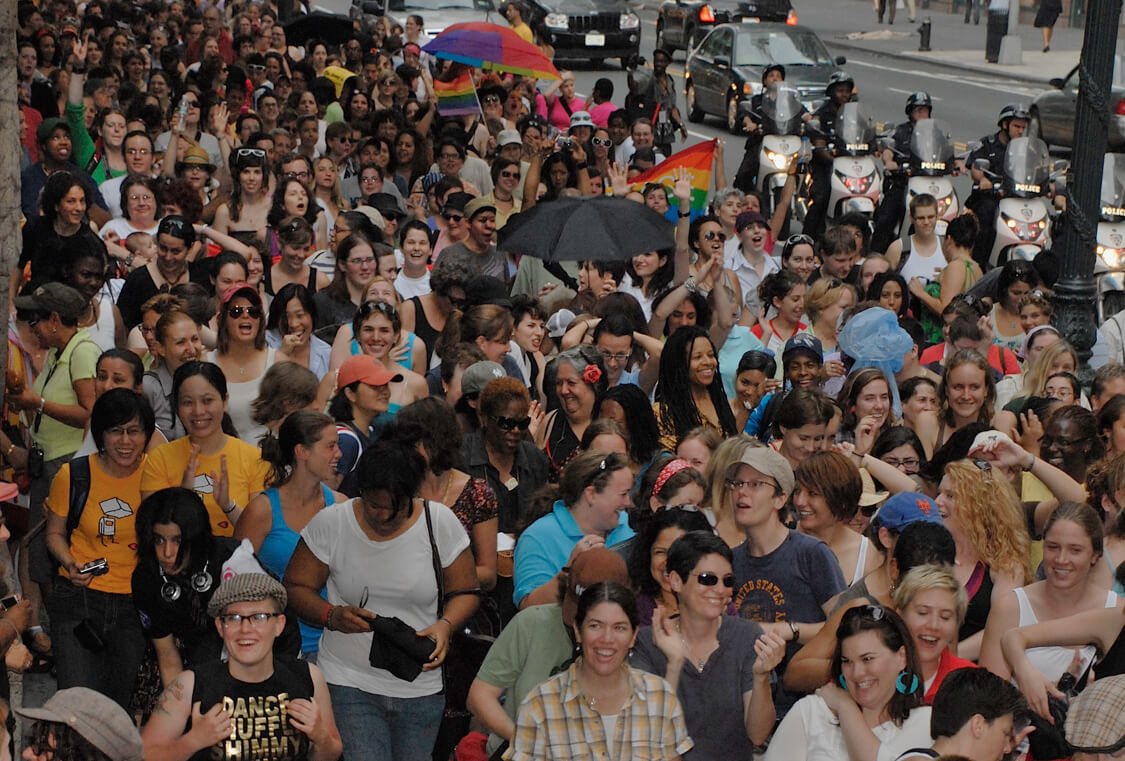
<point x="1075" y="292"/>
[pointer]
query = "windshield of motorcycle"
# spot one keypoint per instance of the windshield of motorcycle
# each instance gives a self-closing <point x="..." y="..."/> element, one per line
<point x="1027" y="165"/>
<point x="782" y="109"/>
<point x="1113" y="185"/>
<point x="931" y="144"/>
<point x="855" y="132"/>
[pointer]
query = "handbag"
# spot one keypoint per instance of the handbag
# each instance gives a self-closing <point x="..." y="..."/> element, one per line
<point x="467" y="648"/>
<point x="397" y="648"/>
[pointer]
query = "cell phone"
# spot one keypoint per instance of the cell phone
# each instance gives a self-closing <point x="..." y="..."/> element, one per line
<point x="98" y="567"/>
<point x="9" y="602"/>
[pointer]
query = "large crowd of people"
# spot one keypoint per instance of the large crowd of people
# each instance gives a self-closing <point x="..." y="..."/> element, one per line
<point x="301" y="460"/>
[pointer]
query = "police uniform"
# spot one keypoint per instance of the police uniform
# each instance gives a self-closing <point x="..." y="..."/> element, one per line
<point x="893" y="206"/>
<point x="821" y="188"/>
<point x="983" y="203"/>
<point x="746" y="177"/>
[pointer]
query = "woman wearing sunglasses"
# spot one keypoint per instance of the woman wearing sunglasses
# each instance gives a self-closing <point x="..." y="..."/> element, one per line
<point x="718" y="665"/>
<point x="242" y="355"/>
<point x="872" y="708"/>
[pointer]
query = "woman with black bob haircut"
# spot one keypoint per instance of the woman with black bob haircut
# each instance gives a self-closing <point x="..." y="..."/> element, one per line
<point x="690" y="392"/>
<point x="289" y="329"/>
<point x="179" y="567"/>
<point x="122" y="424"/>
<point x="648" y="556"/>
<point x="381" y="555"/>
<point x="842" y="720"/>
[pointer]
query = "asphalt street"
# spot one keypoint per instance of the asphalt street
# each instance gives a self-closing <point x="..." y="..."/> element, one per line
<point x="968" y="102"/>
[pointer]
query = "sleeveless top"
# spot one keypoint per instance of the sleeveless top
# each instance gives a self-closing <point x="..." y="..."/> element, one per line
<point x="561" y="447"/>
<point x="979" y="589"/>
<point x="276" y="550"/>
<point x="1052" y="662"/>
<point x="258" y="711"/>
<point x="424" y="330"/>
<point x="915" y="264"/>
<point x="103" y="332"/>
<point x="1015" y="343"/>
<point x="860" y="561"/>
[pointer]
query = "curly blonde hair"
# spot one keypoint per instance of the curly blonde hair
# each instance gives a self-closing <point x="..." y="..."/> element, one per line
<point x="989" y="513"/>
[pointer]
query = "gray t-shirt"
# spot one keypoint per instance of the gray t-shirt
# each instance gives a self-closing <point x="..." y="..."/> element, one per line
<point x="792" y="583"/>
<point x="491" y="262"/>
<point x="712" y="698"/>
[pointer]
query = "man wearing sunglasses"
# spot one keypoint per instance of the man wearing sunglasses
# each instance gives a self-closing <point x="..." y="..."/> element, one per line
<point x="785" y="579"/>
<point x="719" y="665"/>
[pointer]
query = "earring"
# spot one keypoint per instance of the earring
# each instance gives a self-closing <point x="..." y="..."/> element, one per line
<point x="900" y="683"/>
<point x="843" y="682"/>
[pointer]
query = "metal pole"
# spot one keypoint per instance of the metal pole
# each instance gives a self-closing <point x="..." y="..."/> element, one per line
<point x="1075" y="292"/>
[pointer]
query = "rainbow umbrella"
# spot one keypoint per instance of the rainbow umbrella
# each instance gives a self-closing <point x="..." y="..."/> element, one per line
<point x="492" y="47"/>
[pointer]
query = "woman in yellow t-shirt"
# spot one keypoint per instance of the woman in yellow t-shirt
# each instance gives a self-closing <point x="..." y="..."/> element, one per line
<point x="224" y="471"/>
<point x="98" y="640"/>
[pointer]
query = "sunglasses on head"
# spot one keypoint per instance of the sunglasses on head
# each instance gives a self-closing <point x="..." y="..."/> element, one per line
<point x="512" y="423"/>
<point x="242" y="153"/>
<point x="250" y="311"/>
<point x="709" y="579"/>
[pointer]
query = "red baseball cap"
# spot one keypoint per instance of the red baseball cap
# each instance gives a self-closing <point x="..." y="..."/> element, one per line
<point x="241" y="289"/>
<point x="364" y="369"/>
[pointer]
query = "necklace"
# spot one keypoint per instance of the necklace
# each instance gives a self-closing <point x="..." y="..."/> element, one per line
<point x="700" y="663"/>
<point x="445" y="492"/>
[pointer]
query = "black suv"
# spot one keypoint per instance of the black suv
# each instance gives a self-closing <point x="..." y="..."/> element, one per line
<point x="682" y="24"/>
<point x="589" y="30"/>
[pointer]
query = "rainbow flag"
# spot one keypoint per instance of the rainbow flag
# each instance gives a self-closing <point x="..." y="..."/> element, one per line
<point x="695" y="162"/>
<point x="458" y="96"/>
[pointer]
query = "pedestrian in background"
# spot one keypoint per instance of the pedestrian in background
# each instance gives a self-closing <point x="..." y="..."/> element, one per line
<point x="1045" y="19"/>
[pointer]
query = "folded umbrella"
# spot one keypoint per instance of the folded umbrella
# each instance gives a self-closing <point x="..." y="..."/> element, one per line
<point x="595" y="229"/>
<point x="333" y="28"/>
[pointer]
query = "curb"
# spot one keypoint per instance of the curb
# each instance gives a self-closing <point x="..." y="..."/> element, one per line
<point x="906" y="56"/>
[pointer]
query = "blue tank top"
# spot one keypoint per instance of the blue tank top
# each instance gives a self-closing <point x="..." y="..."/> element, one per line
<point x="276" y="550"/>
<point x="405" y="360"/>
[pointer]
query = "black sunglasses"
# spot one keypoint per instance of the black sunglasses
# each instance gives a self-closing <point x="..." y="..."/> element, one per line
<point x="250" y="311"/>
<point x="709" y="579"/>
<point x="512" y="423"/>
<point x="605" y="142"/>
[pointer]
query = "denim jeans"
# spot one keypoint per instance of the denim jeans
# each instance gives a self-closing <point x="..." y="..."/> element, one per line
<point x="381" y="728"/>
<point x="111" y="671"/>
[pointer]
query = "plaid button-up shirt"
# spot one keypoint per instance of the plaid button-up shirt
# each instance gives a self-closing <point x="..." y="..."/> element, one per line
<point x="556" y="724"/>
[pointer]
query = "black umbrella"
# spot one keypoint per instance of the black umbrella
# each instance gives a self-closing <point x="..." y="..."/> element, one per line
<point x="597" y="229"/>
<point x="333" y="28"/>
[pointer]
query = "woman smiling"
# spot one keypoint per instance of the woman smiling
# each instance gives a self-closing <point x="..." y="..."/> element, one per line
<point x="242" y="355"/>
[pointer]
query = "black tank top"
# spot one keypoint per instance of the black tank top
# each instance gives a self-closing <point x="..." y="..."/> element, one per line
<point x="1113" y="662"/>
<point x="259" y="712"/>
<point x="424" y="330"/>
<point x="980" y="603"/>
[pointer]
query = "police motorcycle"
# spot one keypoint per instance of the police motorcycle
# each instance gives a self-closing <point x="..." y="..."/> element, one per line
<point x="782" y="126"/>
<point x="1023" y="215"/>
<point x="930" y="170"/>
<point x="856" y="184"/>
<point x="1109" y="267"/>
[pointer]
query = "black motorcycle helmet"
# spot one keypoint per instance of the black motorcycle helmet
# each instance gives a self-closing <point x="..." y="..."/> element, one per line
<point x="917" y="99"/>
<point x="1012" y="111"/>
<point x="838" y="78"/>
<point x="773" y="67"/>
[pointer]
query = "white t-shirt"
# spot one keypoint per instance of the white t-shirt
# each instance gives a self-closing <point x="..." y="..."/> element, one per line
<point x="810" y="732"/>
<point x="399" y="578"/>
<point x="409" y="287"/>
<point x="124" y="228"/>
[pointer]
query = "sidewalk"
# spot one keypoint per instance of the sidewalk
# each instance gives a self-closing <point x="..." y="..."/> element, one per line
<point x="852" y="24"/>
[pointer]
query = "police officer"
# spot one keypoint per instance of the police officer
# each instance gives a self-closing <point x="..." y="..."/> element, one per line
<point x="919" y="105"/>
<point x="840" y="90"/>
<point x="983" y="200"/>
<point x="747" y="175"/>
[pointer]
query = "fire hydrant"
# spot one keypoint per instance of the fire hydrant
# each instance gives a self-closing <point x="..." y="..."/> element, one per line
<point x="924" y="33"/>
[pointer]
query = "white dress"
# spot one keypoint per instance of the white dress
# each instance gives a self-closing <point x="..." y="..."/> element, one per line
<point x="240" y="397"/>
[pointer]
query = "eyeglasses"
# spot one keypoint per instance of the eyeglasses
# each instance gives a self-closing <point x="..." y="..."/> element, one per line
<point x="142" y="197"/>
<point x="255" y="619"/>
<point x="907" y="464"/>
<point x="363" y="261"/>
<point x="302" y="176"/>
<point x="242" y="153"/>
<point x="370" y="179"/>
<point x="510" y="175"/>
<point x="708" y="579"/>
<point x="250" y="311"/>
<point x="715" y="235"/>
<point x="618" y="358"/>
<point x="452" y="217"/>
<point x="1047" y="440"/>
<point x="604" y="142"/>
<point x="348" y="140"/>
<point x="33" y="321"/>
<point x="449" y="156"/>
<point x="137" y="151"/>
<point x="119" y="430"/>
<point x="753" y="484"/>
<point x="512" y="423"/>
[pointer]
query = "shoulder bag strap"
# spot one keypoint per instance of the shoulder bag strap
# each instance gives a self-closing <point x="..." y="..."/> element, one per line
<point x="438" y="575"/>
<point x="79" y="492"/>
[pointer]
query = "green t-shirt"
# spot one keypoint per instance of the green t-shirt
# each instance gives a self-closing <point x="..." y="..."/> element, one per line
<point x="78" y="361"/>
<point x="534" y="645"/>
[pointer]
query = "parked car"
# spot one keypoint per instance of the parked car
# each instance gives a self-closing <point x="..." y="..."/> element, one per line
<point x="436" y="14"/>
<point x="1053" y="111"/>
<point x="589" y="30"/>
<point x="682" y="24"/>
<point x="726" y="68"/>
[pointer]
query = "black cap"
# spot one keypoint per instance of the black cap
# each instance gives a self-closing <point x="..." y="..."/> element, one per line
<point x="456" y="202"/>
<point x="482" y="289"/>
<point x="53" y="297"/>
<point x="386" y="204"/>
